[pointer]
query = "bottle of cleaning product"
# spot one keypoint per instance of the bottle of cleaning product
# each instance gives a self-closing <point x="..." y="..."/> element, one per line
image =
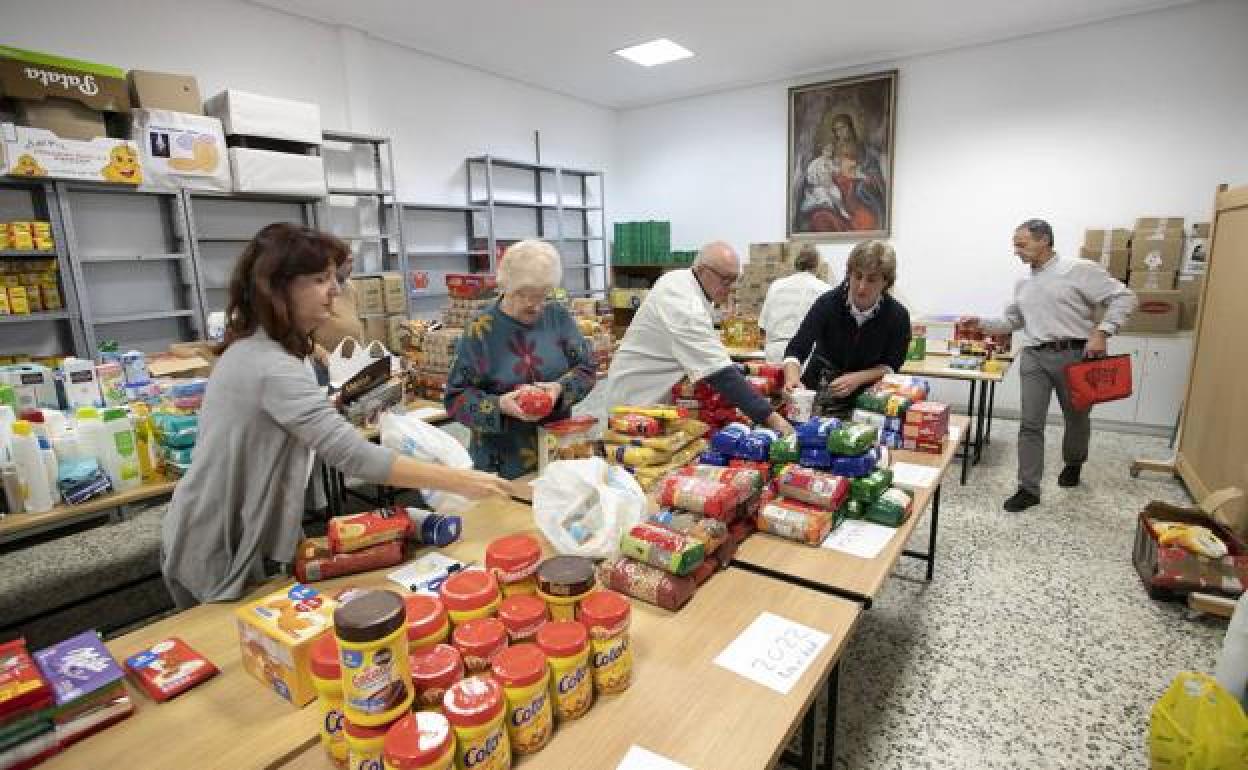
<point x="7" y="418"/>
<point x="93" y="438"/>
<point x="151" y="467"/>
<point x="35" y="418"/>
<point x="12" y="483"/>
<point x="55" y="422"/>
<point x="50" y="467"/>
<point x="123" y="469"/>
<point x="81" y="386"/>
<point x="35" y="493"/>
<point x="68" y="446"/>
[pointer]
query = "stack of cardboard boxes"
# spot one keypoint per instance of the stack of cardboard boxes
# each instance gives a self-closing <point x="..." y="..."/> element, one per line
<point x="768" y="261"/>
<point x="1151" y="260"/>
<point x="382" y="307"/>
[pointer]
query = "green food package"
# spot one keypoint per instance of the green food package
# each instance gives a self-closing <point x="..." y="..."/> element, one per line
<point x="852" y="440"/>
<point x="868" y="489"/>
<point x="850" y="509"/>
<point x="872" y="401"/>
<point x="890" y="510"/>
<point x="784" y="450"/>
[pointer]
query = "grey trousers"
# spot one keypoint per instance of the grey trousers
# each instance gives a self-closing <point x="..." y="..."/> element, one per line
<point x="1040" y="373"/>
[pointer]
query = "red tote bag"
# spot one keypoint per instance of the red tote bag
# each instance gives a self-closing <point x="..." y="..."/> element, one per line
<point x="1098" y="380"/>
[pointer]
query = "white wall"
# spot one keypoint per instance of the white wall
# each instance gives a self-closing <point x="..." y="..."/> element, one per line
<point x="1086" y="127"/>
<point x="436" y="112"/>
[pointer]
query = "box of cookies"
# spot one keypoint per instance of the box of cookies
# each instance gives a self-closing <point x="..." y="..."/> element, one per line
<point x="181" y="150"/>
<point x="276" y="635"/>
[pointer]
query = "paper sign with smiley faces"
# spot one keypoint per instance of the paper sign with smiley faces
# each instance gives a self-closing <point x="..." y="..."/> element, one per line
<point x="123" y="166"/>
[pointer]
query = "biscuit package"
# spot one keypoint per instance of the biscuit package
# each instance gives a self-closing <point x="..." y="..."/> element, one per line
<point x="169" y="668"/>
<point x="276" y="635"/>
<point x="362" y="530"/>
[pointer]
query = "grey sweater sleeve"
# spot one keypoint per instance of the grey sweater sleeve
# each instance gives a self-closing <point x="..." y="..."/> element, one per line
<point x="731" y="384"/>
<point x="291" y="397"/>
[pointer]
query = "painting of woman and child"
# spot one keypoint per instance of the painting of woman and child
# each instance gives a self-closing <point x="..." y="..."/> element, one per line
<point x="841" y="158"/>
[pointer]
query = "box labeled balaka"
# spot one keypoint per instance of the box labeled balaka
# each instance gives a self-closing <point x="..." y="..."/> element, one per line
<point x="68" y="97"/>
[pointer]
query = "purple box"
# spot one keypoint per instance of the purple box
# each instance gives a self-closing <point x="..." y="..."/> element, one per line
<point x="78" y="666"/>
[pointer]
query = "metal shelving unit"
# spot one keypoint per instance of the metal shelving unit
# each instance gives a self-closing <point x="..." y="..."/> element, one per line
<point x="43" y="204"/>
<point x="389" y="212"/>
<point x="103" y="296"/>
<point x="583" y="247"/>
<point x="438" y="260"/>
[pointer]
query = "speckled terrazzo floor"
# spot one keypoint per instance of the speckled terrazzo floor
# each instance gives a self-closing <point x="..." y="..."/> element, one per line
<point x="1035" y="646"/>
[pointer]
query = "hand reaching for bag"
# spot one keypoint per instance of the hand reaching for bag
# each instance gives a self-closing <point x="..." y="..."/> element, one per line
<point x="477" y="484"/>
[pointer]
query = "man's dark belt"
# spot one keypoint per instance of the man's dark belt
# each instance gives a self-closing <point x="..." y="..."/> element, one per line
<point x="1061" y="345"/>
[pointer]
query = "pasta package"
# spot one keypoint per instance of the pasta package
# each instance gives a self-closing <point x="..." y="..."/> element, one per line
<point x="649" y="475"/>
<point x="881" y="421"/>
<point x="727" y="440"/>
<point x="746" y="480"/>
<point x="814" y="457"/>
<point x="867" y="489"/>
<point x="806" y="485"/>
<point x="852" y="439"/>
<point x="784" y="450"/>
<point x="635" y="425"/>
<point x="635" y="456"/>
<point x="711" y="457"/>
<point x="658" y="411"/>
<point x="712" y="533"/>
<point x="794" y="520"/>
<point x="757" y="445"/>
<point x="669" y="443"/>
<point x="813" y="434"/>
<point x="660" y="547"/>
<point x="890" y="510"/>
<point x="649" y="584"/>
<point x="712" y="498"/>
<point x="853" y="467"/>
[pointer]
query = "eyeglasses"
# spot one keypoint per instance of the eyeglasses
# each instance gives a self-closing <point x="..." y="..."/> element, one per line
<point x="727" y="280"/>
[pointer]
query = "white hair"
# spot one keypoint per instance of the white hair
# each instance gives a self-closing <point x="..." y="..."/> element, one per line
<point x="529" y="264"/>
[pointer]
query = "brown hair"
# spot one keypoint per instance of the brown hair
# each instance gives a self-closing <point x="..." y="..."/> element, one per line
<point x="260" y="285"/>
<point x="807" y="259"/>
<point x="873" y="257"/>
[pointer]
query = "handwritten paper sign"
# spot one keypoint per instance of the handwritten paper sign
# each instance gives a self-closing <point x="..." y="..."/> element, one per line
<point x="638" y="758"/>
<point x="773" y="651"/>
<point x="863" y="539"/>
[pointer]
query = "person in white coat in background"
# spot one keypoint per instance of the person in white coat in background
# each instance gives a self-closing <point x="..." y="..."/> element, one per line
<point x="673" y="336"/>
<point x="788" y="300"/>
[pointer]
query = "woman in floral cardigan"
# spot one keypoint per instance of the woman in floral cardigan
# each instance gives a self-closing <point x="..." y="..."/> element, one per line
<point x="520" y="339"/>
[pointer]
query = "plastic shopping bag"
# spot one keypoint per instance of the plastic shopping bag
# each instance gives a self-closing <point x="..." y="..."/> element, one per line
<point x="418" y="439"/>
<point x="584" y="507"/>
<point x="1197" y="725"/>
<point x="343" y="366"/>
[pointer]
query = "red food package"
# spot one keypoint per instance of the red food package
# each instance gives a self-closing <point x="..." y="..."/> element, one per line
<point x="763" y="468"/>
<point x="710" y="498"/>
<point x="314" y="560"/>
<point x="169" y="668"/>
<point x="762" y="385"/>
<point x="22" y="688"/>
<point x="815" y="487"/>
<point x="534" y="401"/>
<point x="705" y="570"/>
<point x="635" y="425"/>
<point x="361" y="530"/>
<point x="649" y="584"/>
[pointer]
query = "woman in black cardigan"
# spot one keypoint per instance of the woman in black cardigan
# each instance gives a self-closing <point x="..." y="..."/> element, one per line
<point x="854" y="334"/>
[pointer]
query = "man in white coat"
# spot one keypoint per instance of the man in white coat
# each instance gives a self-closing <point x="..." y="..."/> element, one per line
<point x="788" y="301"/>
<point x="673" y="336"/>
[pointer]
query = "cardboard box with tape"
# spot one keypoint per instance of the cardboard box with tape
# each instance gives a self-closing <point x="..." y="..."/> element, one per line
<point x="1100" y="240"/>
<point x="1149" y="280"/>
<point x="369" y="296"/>
<point x="392" y="293"/>
<point x="1158" y="311"/>
<point x="1114" y="261"/>
<point x="1157" y="254"/>
<point x="165" y="91"/>
<point x="1158" y="227"/>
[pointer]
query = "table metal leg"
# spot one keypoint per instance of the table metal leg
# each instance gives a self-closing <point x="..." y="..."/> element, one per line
<point x="979" y="422"/>
<point x="929" y="555"/>
<point x="805" y="758"/>
<point x="966" y="446"/>
<point x="829" y="719"/>
<point x="992" y="402"/>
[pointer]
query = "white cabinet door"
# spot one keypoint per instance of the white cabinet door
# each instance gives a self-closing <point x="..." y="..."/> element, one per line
<point x="1163" y="381"/>
<point x="1124" y="410"/>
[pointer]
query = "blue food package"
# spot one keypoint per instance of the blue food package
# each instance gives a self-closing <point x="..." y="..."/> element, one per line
<point x="756" y="447"/>
<point x="815" y="457"/>
<point x="854" y="466"/>
<point x="813" y="434"/>
<point x="727" y="439"/>
<point x="711" y="457"/>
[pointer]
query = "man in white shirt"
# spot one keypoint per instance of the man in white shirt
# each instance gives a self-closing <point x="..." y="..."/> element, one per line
<point x="673" y="336"/>
<point x="1054" y="307"/>
<point x="788" y="301"/>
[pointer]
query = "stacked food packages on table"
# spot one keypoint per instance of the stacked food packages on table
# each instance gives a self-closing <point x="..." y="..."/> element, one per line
<point x="595" y="321"/>
<point x="974" y="349"/>
<point x="897" y="405"/>
<point x="485" y="667"/>
<point x="705" y="404"/>
<point x="652" y="441"/>
<point x="372" y="540"/>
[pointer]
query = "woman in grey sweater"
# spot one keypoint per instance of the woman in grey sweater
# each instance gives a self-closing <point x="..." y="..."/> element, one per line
<point x="263" y="416"/>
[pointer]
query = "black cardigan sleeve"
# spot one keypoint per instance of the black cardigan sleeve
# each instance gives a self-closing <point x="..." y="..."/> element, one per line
<point x="811" y="330"/>
<point x="899" y="340"/>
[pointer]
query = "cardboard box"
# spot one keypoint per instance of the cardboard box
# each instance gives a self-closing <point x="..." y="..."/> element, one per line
<point x="246" y="114"/>
<point x="1157" y="254"/>
<point x="165" y="91"/>
<point x="276" y="634"/>
<point x="769" y="252"/>
<point x="1201" y="229"/>
<point x="180" y="150"/>
<point x="1115" y="261"/>
<point x="283" y="173"/>
<point x="37" y="152"/>
<point x="376" y="329"/>
<point x="1117" y="238"/>
<point x="1158" y="225"/>
<point x="65" y="96"/>
<point x="1149" y="280"/>
<point x="369" y="296"/>
<point x="66" y="118"/>
<point x="393" y="294"/>
<point x="1158" y="311"/>
<point x="394" y="332"/>
<point x="1191" y="288"/>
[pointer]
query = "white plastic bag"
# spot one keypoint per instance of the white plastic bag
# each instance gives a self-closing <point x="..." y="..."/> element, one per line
<point x="583" y="507"/>
<point x="343" y="367"/>
<point x="419" y="440"/>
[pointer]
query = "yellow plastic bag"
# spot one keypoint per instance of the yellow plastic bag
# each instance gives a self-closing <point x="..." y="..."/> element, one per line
<point x="1197" y="725"/>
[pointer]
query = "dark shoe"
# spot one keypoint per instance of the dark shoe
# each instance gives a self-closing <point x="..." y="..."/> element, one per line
<point x="1069" y="477"/>
<point x="1021" y="501"/>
